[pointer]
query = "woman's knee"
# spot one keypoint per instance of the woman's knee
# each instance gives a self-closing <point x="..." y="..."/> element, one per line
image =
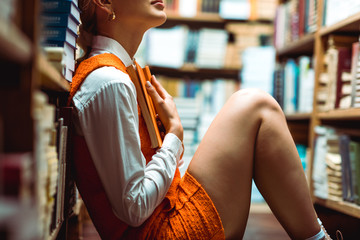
<point x="254" y="101"/>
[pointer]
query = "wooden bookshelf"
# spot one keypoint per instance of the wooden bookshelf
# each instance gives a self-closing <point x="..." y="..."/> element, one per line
<point x="196" y="73"/>
<point x="298" y="117"/>
<point x="340" y="206"/>
<point x="305" y="45"/>
<point x="14" y="44"/>
<point x="212" y="20"/>
<point x="340" y="114"/>
<point x="343" y="120"/>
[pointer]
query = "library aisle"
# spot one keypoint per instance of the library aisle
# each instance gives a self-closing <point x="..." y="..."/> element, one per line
<point x="306" y="53"/>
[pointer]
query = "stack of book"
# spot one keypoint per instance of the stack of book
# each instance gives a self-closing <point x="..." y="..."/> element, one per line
<point x="241" y="37"/>
<point x="258" y="68"/>
<point x="203" y="48"/>
<point x="319" y="175"/>
<point x="333" y="168"/>
<point x="230" y="9"/>
<point x="266" y="9"/>
<point x="211" y="48"/>
<point x="336" y="169"/>
<point x="60" y="19"/>
<point x="340" y="69"/>
<point x="189" y="112"/>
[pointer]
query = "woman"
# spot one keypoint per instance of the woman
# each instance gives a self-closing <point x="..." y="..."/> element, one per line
<point x="131" y="199"/>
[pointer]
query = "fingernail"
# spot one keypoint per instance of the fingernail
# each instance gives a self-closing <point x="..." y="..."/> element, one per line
<point x="148" y="84"/>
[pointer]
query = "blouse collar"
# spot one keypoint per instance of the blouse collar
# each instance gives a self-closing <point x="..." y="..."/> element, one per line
<point x="102" y="44"/>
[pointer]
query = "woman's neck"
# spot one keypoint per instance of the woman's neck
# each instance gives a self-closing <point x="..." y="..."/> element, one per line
<point x="129" y="38"/>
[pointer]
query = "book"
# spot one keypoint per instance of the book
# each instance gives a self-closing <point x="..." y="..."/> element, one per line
<point x="139" y="79"/>
<point x="60" y="20"/>
<point x="61" y="6"/>
<point x="58" y="35"/>
<point x="354" y="67"/>
<point x="354" y="149"/>
<point x="16" y="176"/>
<point x="229" y="9"/>
<point x="348" y="194"/>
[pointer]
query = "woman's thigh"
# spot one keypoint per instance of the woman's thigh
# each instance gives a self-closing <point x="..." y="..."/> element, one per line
<point x="223" y="162"/>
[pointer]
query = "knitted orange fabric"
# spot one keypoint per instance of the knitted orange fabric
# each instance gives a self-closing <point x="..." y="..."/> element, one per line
<point x="102" y="60"/>
<point x="187" y="211"/>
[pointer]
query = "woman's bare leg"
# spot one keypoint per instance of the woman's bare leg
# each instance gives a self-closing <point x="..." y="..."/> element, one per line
<point x="249" y="139"/>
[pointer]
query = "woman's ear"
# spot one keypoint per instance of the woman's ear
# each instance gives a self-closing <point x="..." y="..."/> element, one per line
<point x="104" y="5"/>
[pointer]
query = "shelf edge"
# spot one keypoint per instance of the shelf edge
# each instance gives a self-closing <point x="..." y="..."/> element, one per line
<point x="14" y="44"/>
<point x="51" y="79"/>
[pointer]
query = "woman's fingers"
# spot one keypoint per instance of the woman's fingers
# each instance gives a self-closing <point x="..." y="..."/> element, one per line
<point x="162" y="92"/>
<point x="154" y="94"/>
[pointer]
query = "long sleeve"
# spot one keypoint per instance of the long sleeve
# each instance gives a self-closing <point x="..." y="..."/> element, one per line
<point x="107" y="114"/>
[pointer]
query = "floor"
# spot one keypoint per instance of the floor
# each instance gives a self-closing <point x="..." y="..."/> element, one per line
<point x="261" y="225"/>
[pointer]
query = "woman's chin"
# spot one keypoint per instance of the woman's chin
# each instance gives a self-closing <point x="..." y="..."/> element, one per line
<point x="160" y="19"/>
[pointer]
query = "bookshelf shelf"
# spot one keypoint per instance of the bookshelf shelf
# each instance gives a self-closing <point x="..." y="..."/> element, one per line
<point x="298" y="117"/>
<point x="14" y="45"/>
<point x="205" y="20"/>
<point x="341" y="114"/>
<point x="51" y="79"/>
<point x="304" y="45"/>
<point x="348" y="25"/>
<point x="197" y="73"/>
<point x="343" y="207"/>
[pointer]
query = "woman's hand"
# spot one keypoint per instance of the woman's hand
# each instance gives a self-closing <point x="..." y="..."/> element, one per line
<point x="165" y="108"/>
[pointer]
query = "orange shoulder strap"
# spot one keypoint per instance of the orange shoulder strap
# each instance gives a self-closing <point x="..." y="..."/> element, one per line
<point x="89" y="65"/>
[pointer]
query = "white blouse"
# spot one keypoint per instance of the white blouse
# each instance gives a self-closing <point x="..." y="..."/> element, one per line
<point x="107" y="115"/>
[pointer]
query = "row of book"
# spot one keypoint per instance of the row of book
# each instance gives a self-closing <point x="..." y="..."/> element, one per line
<point x="60" y="20"/>
<point x="294" y="19"/>
<point x="336" y="166"/>
<point x="50" y="155"/>
<point x="202" y="48"/>
<point x="340" y="79"/>
<point x="35" y="180"/>
<point x="227" y="9"/>
<point x="334" y="11"/>
<point x="293" y="85"/>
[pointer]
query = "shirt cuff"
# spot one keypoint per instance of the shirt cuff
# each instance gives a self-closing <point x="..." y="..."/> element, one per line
<point x="173" y="143"/>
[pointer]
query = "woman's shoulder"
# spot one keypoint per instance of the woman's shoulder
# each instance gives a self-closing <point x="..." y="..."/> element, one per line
<point x="102" y="81"/>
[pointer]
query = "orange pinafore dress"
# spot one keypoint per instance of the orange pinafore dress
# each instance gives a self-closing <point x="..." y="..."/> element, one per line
<point x="186" y="212"/>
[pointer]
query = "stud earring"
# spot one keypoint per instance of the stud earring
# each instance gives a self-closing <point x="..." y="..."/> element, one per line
<point x="112" y="16"/>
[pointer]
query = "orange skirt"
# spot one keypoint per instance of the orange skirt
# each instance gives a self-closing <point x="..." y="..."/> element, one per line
<point x="187" y="212"/>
